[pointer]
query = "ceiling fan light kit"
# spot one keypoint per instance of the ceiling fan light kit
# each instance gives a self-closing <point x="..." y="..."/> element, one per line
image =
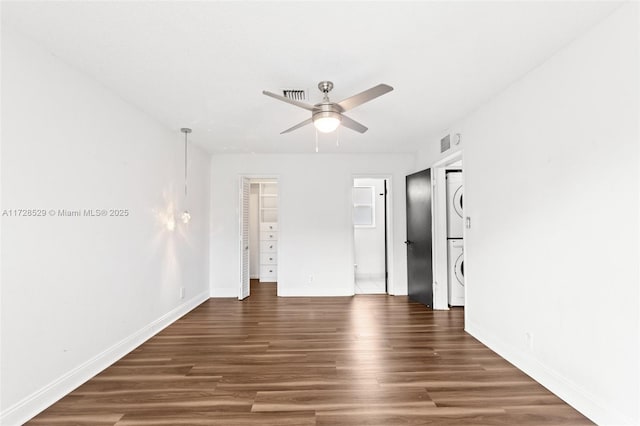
<point x="326" y="121"/>
<point x="327" y="116"/>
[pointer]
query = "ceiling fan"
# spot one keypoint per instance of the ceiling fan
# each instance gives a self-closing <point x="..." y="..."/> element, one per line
<point x="326" y="115"/>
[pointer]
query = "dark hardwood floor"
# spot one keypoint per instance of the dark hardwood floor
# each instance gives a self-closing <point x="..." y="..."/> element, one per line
<point x="363" y="360"/>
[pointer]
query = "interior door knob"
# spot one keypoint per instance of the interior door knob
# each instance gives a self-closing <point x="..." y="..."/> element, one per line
<point x="408" y="242"/>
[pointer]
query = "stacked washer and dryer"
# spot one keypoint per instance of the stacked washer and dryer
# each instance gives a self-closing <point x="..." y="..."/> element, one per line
<point x="455" y="253"/>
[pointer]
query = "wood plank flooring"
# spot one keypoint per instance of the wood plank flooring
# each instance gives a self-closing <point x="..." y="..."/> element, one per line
<point x="363" y="360"/>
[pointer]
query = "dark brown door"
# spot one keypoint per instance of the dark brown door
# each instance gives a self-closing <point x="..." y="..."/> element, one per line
<point x="419" y="264"/>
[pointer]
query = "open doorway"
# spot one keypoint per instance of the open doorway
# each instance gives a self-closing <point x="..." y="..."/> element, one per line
<point x="258" y="232"/>
<point x="370" y="211"/>
<point x="448" y="233"/>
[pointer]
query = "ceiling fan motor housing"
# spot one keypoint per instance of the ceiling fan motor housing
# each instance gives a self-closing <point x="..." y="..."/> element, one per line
<point x="327" y="110"/>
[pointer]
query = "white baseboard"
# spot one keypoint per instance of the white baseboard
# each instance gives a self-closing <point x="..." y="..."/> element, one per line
<point x="567" y="390"/>
<point x="224" y="292"/>
<point x="39" y="400"/>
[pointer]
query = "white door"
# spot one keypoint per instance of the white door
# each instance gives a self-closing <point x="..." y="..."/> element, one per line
<point x="245" y="189"/>
<point x="254" y="232"/>
<point x="369" y="228"/>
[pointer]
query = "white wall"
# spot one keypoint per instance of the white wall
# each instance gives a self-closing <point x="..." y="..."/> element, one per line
<point x="551" y="175"/>
<point x="315" y="236"/>
<point x="79" y="292"/>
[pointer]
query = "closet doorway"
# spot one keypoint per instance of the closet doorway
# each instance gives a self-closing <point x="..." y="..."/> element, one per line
<point x="258" y="232"/>
<point x="449" y="287"/>
<point x="370" y="211"/>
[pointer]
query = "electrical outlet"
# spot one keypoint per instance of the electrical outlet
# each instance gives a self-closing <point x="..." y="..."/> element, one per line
<point x="310" y="279"/>
<point x="529" y="337"/>
<point x="181" y="292"/>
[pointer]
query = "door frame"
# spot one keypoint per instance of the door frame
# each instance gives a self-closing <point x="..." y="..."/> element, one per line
<point x="241" y="252"/>
<point x="391" y="289"/>
<point x="439" y="228"/>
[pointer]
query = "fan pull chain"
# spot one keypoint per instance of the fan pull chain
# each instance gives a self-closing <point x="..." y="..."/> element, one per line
<point x="338" y="137"/>
<point x="316" y="140"/>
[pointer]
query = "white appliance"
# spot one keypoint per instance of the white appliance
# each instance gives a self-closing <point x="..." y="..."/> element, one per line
<point x="455" y="254"/>
<point x="454" y="204"/>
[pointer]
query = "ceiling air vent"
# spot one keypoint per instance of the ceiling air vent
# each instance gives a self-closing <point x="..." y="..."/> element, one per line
<point x="445" y="143"/>
<point x="295" y="94"/>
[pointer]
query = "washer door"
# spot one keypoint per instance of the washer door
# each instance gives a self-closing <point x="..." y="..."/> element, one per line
<point x="457" y="201"/>
<point x="459" y="269"/>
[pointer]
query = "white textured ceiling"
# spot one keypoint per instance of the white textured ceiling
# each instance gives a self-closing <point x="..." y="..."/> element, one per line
<point x="204" y="64"/>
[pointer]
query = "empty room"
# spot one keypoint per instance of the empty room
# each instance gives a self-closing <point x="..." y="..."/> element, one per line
<point x="319" y="213"/>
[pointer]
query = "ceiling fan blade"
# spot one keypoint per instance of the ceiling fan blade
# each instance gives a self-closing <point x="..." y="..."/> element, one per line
<point x="365" y="96"/>
<point x="290" y="101"/>
<point x="352" y="124"/>
<point x="297" y="126"/>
